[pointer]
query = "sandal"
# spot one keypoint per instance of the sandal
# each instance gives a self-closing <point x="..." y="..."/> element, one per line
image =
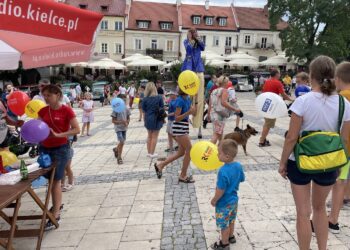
<point x="220" y="246"/>
<point x="232" y="239"/>
<point x="158" y="172"/>
<point x="120" y="161"/>
<point x="187" y="180"/>
<point x="266" y="143"/>
<point x="61" y="208"/>
<point x="115" y="150"/>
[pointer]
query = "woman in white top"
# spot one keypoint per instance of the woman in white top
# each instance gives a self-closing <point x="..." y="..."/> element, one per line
<point x="88" y="116"/>
<point x="316" y="110"/>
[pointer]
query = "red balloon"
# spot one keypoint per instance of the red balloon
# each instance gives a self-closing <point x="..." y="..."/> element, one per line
<point x="17" y="102"/>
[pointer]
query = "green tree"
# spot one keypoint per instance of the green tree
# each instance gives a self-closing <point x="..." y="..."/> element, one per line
<point x="315" y="27"/>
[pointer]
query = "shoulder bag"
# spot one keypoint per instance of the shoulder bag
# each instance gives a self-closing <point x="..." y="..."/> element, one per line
<point x="322" y="151"/>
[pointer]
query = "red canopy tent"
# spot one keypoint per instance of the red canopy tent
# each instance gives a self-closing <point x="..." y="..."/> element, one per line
<point x="43" y="32"/>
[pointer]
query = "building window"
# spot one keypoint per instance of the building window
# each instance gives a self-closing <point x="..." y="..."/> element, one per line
<point x="228" y="41"/>
<point x="118" y="48"/>
<point x="169" y="45"/>
<point x="209" y="21"/>
<point x="166" y="26"/>
<point x="216" y="41"/>
<point x="104" y="48"/>
<point x="104" y="8"/>
<point x="142" y="25"/>
<point x="196" y="20"/>
<point x="222" y="21"/>
<point x="82" y="6"/>
<point x="247" y="39"/>
<point x="263" y="42"/>
<point x="154" y="44"/>
<point x="204" y="39"/>
<point x="104" y="25"/>
<point x="138" y="44"/>
<point x="118" y="26"/>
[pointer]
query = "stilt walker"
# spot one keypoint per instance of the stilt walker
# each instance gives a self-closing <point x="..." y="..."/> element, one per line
<point x="193" y="61"/>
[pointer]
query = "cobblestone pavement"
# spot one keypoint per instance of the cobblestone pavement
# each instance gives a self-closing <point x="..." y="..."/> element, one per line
<point x="126" y="207"/>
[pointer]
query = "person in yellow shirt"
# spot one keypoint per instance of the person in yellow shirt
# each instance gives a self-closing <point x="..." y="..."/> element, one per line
<point x="287" y="80"/>
<point x="342" y="81"/>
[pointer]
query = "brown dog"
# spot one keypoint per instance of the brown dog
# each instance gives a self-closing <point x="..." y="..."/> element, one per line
<point x="242" y="136"/>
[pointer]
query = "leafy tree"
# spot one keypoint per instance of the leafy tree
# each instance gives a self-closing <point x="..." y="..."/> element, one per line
<point x="314" y="27"/>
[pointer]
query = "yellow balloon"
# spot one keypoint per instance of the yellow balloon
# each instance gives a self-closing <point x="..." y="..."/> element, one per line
<point x="189" y="82"/>
<point x="8" y="158"/>
<point x="204" y="156"/>
<point x="136" y="100"/>
<point x="33" y="107"/>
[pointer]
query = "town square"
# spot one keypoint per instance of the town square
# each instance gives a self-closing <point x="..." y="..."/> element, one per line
<point x="150" y="124"/>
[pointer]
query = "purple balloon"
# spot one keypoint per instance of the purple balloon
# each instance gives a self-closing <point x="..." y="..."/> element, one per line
<point x="35" y="131"/>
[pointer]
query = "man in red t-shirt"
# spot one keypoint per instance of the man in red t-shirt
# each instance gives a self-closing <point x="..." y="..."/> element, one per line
<point x="275" y="86"/>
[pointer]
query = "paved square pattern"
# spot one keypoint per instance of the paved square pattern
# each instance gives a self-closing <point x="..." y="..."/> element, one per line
<point x="126" y="207"/>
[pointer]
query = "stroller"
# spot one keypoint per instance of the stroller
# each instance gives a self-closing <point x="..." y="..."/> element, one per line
<point x="19" y="147"/>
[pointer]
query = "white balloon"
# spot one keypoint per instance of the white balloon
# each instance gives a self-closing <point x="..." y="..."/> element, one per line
<point x="271" y="105"/>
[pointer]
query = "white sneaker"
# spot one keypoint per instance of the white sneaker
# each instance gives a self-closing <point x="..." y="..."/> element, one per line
<point x="149" y="155"/>
<point x="67" y="188"/>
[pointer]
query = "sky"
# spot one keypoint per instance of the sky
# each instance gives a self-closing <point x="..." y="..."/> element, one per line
<point x="248" y="3"/>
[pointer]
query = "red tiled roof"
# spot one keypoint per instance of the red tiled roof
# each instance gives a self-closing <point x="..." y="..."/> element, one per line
<point x="216" y="11"/>
<point x="255" y="19"/>
<point x="115" y="7"/>
<point x="155" y="13"/>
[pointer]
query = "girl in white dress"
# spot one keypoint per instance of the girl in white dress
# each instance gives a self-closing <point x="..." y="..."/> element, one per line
<point x="88" y="116"/>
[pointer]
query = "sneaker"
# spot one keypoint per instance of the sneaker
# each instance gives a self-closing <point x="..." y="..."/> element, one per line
<point x="334" y="228"/>
<point x="220" y="246"/>
<point x="149" y="155"/>
<point x="67" y="188"/>
<point x="49" y="225"/>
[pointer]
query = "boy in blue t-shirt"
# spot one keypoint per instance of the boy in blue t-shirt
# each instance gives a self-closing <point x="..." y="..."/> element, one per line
<point x="302" y="80"/>
<point x="226" y="198"/>
<point x="171" y="119"/>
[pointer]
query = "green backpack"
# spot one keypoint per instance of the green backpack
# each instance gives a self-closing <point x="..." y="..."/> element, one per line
<point x="321" y="151"/>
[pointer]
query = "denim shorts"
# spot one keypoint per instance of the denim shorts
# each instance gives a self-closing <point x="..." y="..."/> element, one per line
<point x="59" y="156"/>
<point x="226" y="215"/>
<point x="298" y="178"/>
<point x="121" y="135"/>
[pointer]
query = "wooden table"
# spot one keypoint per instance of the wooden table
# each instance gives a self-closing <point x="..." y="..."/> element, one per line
<point x="10" y="197"/>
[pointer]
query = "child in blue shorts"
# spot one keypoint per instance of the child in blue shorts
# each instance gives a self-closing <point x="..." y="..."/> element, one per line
<point x="225" y="200"/>
<point x="121" y="122"/>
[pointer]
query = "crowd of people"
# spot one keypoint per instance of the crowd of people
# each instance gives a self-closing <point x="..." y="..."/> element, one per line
<point x="315" y="106"/>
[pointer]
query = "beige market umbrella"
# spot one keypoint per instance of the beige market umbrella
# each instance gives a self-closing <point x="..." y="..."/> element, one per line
<point x="278" y="60"/>
<point x="210" y="55"/>
<point x="132" y="57"/>
<point x="145" y="62"/>
<point x="217" y="63"/>
<point x="244" y="62"/>
<point x="169" y="65"/>
<point x="79" y="64"/>
<point x="240" y="55"/>
<point x="106" y="63"/>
